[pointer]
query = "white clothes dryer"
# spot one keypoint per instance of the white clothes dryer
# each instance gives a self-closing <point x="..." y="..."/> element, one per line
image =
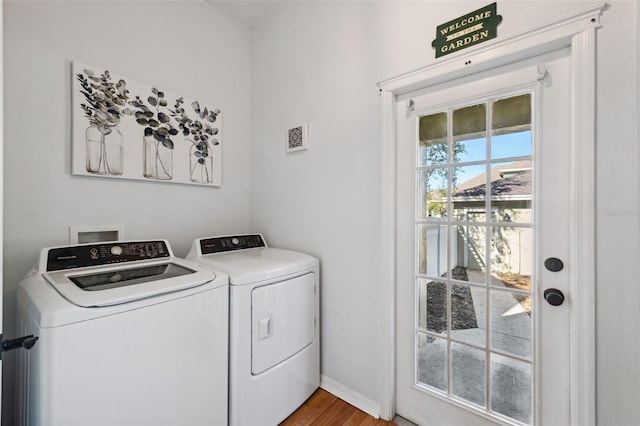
<point x="128" y="335"/>
<point x="274" y="358"/>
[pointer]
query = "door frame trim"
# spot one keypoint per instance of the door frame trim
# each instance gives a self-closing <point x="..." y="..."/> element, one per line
<point x="577" y="31"/>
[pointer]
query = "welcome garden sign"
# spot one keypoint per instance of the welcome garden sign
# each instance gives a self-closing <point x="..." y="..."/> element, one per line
<point x="466" y="31"/>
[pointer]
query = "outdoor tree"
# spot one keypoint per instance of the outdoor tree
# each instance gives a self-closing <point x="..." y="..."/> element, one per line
<point x="435" y="179"/>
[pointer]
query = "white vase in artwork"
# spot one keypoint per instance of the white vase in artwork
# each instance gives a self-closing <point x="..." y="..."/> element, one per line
<point x="105" y="155"/>
<point x="158" y="159"/>
<point x="200" y="163"/>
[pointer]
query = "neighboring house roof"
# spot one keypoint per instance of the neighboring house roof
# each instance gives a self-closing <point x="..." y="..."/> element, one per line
<point x="511" y="181"/>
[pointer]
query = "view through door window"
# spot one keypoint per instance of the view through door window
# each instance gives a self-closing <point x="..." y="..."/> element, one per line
<point x="474" y="246"/>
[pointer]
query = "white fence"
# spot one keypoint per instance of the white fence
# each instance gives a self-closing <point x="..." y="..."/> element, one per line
<point x="436" y="250"/>
<point x="509" y="251"/>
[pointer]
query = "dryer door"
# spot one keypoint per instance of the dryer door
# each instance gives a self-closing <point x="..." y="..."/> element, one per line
<point x="282" y="321"/>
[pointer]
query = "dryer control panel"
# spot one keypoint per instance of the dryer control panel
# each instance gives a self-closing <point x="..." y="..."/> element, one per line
<point x="230" y="243"/>
<point x="72" y="257"/>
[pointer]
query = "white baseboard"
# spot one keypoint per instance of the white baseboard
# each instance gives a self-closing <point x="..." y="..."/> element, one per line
<point x="350" y="396"/>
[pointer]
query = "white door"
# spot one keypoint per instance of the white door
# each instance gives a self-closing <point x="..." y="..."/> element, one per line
<point x="1" y="189"/>
<point x="483" y="200"/>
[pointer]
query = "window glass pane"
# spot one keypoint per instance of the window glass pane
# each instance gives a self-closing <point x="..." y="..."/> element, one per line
<point x="469" y="150"/>
<point x="511" y="191"/>
<point x="432" y="193"/>
<point x="432" y="361"/>
<point x="432" y="250"/>
<point x="470" y="123"/>
<point x="469" y="181"/>
<point x="511" y="388"/>
<point x="515" y="211"/>
<point x="432" y="306"/>
<point x="512" y="114"/>
<point x="511" y="145"/>
<point x="432" y="136"/>
<point x="469" y="133"/>
<point x="511" y="127"/>
<point x="471" y="212"/>
<point x="511" y="323"/>
<point x="469" y="192"/>
<point x="468" y="373"/>
<point x="511" y="253"/>
<point x="469" y="253"/>
<point x="468" y="314"/>
<point x="464" y="268"/>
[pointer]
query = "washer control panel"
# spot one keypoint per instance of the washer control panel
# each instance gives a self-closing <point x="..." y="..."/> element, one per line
<point x="102" y="254"/>
<point x="231" y="243"/>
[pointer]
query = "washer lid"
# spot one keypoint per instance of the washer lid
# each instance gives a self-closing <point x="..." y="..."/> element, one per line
<point x="121" y="283"/>
<point x="259" y="264"/>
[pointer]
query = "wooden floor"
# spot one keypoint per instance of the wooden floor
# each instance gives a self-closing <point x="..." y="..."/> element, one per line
<point x="323" y="408"/>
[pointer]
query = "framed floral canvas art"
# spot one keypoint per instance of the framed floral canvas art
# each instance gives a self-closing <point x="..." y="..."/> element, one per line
<point x="126" y="129"/>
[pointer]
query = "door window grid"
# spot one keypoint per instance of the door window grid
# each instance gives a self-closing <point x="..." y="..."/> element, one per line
<point x="492" y="227"/>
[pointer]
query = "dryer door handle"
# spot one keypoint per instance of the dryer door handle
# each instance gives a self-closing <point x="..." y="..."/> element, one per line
<point x="265" y="328"/>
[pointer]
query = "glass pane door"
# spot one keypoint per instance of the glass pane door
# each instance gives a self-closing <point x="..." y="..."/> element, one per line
<point x="474" y="252"/>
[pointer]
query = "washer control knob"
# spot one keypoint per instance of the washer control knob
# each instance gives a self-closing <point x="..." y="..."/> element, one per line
<point x="116" y="250"/>
<point x="235" y="241"/>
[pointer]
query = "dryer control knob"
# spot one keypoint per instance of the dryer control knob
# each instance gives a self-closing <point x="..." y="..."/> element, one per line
<point x="116" y="250"/>
<point x="235" y="241"/>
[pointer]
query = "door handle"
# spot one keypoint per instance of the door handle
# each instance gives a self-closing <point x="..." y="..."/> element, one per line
<point x="554" y="264"/>
<point x="553" y="296"/>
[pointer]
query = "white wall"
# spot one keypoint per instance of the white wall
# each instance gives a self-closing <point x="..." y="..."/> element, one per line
<point x="320" y="61"/>
<point x="617" y="242"/>
<point x="189" y="48"/>
<point x="313" y="61"/>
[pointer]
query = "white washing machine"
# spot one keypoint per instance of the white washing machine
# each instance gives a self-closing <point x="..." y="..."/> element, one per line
<point x="274" y="358"/>
<point x="128" y="335"/>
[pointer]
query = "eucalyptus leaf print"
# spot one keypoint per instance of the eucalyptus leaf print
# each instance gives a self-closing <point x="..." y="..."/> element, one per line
<point x="104" y="106"/>
<point x="157" y="134"/>
<point x="201" y="132"/>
